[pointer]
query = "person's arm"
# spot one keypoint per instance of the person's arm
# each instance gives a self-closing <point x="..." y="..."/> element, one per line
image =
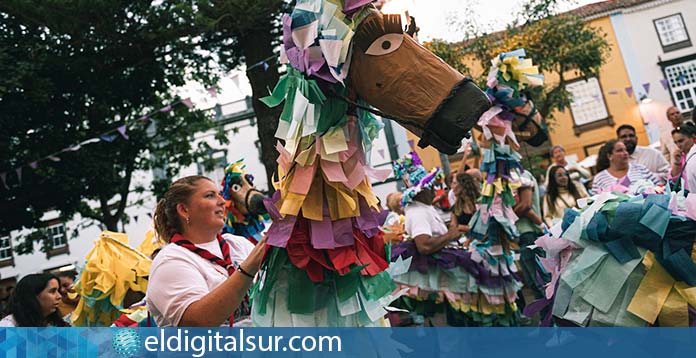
<point x="665" y="150"/>
<point x="663" y="167"/>
<point x="690" y="173"/>
<point x="214" y="308"/>
<point x="453" y="220"/>
<point x="548" y="215"/>
<point x="426" y="244"/>
<point x="465" y="156"/>
<point x="581" y="189"/>
<point x="524" y="207"/>
<point x="577" y="168"/>
<point x="676" y="164"/>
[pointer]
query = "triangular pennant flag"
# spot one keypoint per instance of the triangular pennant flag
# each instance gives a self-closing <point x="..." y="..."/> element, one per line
<point x="212" y="91"/>
<point x="613" y="92"/>
<point x="235" y="80"/>
<point x="3" y="176"/>
<point x="646" y="87"/>
<point x="34" y="165"/>
<point x="265" y="66"/>
<point x="122" y="130"/>
<point x="663" y="82"/>
<point x="144" y="119"/>
<point x="381" y="153"/>
<point x="187" y="102"/>
<point x="108" y="137"/>
<point x="19" y="175"/>
<point x="411" y="143"/>
<point x="165" y="109"/>
<point x="54" y="158"/>
<point x="629" y="91"/>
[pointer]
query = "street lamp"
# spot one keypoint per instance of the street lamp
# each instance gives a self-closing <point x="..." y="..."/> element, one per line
<point x="644" y="99"/>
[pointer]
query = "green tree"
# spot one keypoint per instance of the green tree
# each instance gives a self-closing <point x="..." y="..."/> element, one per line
<point x="249" y="32"/>
<point x="558" y="44"/>
<point x="73" y="70"/>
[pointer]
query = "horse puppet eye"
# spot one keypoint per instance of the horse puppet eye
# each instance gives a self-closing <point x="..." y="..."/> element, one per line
<point x="236" y="187"/>
<point x="385" y="44"/>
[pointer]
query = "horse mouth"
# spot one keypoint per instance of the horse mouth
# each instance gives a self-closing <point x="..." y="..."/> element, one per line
<point x="255" y="205"/>
<point x="454" y="117"/>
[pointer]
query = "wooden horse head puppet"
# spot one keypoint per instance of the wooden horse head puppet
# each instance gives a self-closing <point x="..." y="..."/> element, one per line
<point x="352" y="44"/>
<point x="244" y="203"/>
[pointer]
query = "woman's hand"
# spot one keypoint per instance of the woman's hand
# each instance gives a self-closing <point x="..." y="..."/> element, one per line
<point x="676" y="157"/>
<point x="253" y="261"/>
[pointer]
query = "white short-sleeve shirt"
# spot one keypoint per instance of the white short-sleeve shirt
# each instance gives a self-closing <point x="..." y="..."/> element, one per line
<point x="179" y="277"/>
<point x="422" y="219"/>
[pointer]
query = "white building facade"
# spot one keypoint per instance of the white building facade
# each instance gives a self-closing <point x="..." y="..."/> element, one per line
<point x="657" y="45"/>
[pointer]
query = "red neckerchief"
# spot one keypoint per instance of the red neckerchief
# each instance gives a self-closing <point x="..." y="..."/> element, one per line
<point x="225" y="261"/>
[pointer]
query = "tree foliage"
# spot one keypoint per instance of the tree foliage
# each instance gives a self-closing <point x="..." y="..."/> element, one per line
<point x="73" y="70"/>
<point x="249" y="32"/>
<point x="558" y="44"/>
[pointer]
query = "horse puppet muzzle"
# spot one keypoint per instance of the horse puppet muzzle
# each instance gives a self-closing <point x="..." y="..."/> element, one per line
<point x="254" y="202"/>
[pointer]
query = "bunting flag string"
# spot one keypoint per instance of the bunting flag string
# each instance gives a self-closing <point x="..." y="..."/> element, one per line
<point x="121" y="130"/>
<point x="108" y="136"/>
<point x="664" y="83"/>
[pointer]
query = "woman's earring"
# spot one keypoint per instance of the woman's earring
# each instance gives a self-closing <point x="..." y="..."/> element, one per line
<point x="188" y="221"/>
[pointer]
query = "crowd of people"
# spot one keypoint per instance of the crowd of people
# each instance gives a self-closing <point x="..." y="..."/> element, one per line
<point x="202" y="277"/>
<point x="541" y="202"/>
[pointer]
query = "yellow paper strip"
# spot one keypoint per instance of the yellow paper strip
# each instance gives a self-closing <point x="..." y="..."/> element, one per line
<point x="652" y="293"/>
<point x="675" y="312"/>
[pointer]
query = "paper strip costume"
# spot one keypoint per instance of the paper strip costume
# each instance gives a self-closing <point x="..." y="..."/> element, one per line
<point x="623" y="260"/>
<point x="475" y="286"/>
<point x="326" y="264"/>
<point x="112" y="270"/>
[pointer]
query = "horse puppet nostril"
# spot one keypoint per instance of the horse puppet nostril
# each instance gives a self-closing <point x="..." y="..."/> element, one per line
<point x="256" y="205"/>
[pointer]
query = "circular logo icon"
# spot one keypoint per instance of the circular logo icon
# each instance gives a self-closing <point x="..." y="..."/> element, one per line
<point x="126" y="342"/>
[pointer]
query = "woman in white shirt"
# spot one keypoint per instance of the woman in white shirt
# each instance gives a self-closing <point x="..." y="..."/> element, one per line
<point x="197" y="279"/>
<point x="562" y="193"/>
<point x="614" y="166"/>
<point x="34" y="303"/>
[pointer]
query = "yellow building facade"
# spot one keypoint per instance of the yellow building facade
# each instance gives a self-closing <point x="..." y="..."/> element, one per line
<point x="581" y="139"/>
<point x="622" y="109"/>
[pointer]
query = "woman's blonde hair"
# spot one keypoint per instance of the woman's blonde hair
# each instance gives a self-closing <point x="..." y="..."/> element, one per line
<point x="167" y="220"/>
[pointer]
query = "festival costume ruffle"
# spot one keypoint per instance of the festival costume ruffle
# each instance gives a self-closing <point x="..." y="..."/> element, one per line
<point x="490" y="290"/>
<point x="473" y="282"/>
<point x="623" y="260"/>
<point x="112" y="268"/>
<point x="326" y="246"/>
<point x="325" y="237"/>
